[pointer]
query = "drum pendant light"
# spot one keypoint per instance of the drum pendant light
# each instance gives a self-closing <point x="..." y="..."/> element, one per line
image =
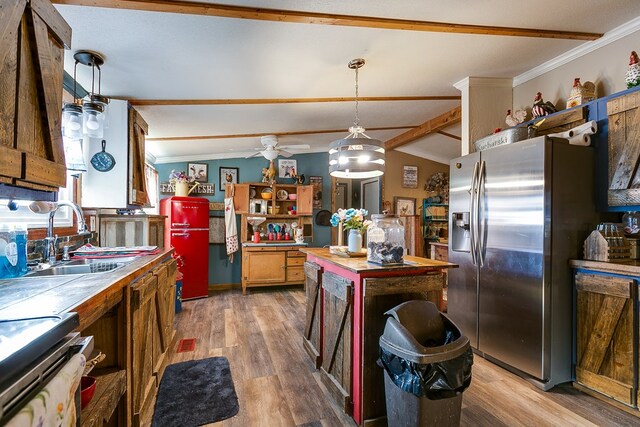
<point x="356" y="155"/>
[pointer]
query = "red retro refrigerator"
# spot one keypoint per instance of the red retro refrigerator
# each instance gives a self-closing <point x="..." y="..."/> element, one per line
<point x="187" y="231"/>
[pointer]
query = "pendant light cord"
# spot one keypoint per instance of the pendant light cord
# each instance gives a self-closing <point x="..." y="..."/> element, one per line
<point x="75" y="82"/>
<point x="357" y="121"/>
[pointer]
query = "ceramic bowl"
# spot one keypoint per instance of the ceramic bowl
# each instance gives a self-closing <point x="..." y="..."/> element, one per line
<point x="87" y="388"/>
<point x="293" y="196"/>
<point x="266" y="194"/>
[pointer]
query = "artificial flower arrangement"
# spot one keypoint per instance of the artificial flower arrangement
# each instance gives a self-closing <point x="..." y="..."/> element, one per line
<point x="351" y="219"/>
<point x="175" y="177"/>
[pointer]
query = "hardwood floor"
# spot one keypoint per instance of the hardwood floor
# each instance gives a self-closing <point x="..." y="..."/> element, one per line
<point x="277" y="384"/>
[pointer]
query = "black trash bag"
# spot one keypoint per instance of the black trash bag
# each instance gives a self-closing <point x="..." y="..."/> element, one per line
<point x="439" y="380"/>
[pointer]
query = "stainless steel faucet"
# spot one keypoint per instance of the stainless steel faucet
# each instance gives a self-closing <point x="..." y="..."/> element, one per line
<point x="51" y="208"/>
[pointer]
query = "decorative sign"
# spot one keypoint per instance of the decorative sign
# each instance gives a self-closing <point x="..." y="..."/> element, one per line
<point x="216" y="206"/>
<point x="316" y="181"/>
<point x="205" y="188"/>
<point x="410" y="176"/>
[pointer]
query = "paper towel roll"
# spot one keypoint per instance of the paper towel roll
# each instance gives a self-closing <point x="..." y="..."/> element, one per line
<point x="566" y="135"/>
<point x="588" y="128"/>
<point x="582" y="139"/>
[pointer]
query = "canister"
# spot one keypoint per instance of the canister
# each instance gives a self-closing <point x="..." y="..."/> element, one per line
<point x="385" y="240"/>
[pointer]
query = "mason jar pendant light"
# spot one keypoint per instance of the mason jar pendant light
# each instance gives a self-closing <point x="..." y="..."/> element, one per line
<point x="72" y="114"/>
<point x="94" y="104"/>
<point x="356" y="155"/>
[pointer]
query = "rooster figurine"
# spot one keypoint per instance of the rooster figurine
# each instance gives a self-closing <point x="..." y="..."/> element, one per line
<point x="632" y="77"/>
<point x="541" y="108"/>
<point x="516" y="118"/>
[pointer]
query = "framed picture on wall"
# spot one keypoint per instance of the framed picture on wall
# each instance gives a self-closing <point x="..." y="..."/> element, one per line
<point x="228" y="176"/>
<point x="410" y="176"/>
<point x="404" y="205"/>
<point x="287" y="168"/>
<point x="198" y="171"/>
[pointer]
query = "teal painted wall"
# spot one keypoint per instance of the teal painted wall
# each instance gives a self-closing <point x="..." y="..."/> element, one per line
<point x="221" y="271"/>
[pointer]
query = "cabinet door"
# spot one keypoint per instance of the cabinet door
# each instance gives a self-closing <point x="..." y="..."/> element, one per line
<point x="31" y="73"/>
<point x="604" y="337"/>
<point x="138" y="128"/>
<point x="163" y="330"/>
<point x="336" y="368"/>
<point x="143" y="325"/>
<point x="312" y="342"/>
<point x="240" y="197"/>
<point x="305" y="200"/>
<point x="624" y="150"/>
<point x="265" y="267"/>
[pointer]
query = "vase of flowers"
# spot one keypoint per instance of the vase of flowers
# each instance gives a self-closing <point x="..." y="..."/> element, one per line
<point x="182" y="182"/>
<point x="352" y="220"/>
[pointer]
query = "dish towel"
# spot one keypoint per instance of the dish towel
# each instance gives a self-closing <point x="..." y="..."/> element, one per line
<point x="54" y="405"/>
<point x="231" y="231"/>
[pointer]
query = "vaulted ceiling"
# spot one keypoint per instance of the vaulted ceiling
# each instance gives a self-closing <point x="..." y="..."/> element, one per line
<point x="211" y="78"/>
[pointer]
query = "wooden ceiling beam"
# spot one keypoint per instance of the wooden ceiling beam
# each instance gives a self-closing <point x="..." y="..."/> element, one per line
<point x="430" y="126"/>
<point x="249" y="101"/>
<point x="253" y="135"/>
<point x="278" y="15"/>
<point x="450" y="135"/>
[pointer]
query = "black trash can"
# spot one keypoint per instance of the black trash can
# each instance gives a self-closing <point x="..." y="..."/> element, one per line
<point x="427" y="363"/>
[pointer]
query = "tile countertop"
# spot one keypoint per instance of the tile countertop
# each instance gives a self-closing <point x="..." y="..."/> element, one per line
<point x="629" y="268"/>
<point x="41" y="296"/>
<point x="267" y="244"/>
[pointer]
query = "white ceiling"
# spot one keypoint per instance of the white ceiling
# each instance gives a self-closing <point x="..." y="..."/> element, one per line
<point x="152" y="55"/>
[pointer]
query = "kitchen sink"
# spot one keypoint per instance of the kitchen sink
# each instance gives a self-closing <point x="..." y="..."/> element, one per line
<point x="83" y="266"/>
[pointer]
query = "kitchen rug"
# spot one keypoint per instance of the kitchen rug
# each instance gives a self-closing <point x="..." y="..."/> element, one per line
<point x="194" y="393"/>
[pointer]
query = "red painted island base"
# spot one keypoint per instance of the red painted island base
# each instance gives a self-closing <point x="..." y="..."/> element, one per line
<point x="346" y="301"/>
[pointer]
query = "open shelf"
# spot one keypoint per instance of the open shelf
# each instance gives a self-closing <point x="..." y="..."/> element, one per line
<point x="110" y="387"/>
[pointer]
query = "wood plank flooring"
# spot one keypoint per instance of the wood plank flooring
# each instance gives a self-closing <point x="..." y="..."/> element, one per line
<point x="277" y="385"/>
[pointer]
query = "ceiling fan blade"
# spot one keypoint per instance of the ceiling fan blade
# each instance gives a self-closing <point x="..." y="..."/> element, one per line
<point x="256" y="154"/>
<point x="297" y="147"/>
<point x="285" y="153"/>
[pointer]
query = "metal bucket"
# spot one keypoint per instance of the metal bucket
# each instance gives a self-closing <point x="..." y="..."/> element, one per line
<point x="507" y="136"/>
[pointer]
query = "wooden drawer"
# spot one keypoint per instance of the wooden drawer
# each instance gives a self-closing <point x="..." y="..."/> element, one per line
<point x="296" y="261"/>
<point x="295" y="254"/>
<point x="295" y="274"/>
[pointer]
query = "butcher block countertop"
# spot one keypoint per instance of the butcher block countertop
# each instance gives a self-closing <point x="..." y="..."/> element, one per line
<point x="361" y="265"/>
<point x="629" y="268"/>
<point x="90" y="295"/>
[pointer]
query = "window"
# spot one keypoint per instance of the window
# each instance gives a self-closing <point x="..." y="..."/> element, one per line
<point x="63" y="218"/>
<point x="151" y="176"/>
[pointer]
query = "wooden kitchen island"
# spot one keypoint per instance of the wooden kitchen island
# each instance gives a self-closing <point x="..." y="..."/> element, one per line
<point x="346" y="301"/>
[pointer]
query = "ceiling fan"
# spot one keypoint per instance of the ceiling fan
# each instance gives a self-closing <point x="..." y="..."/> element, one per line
<point x="270" y="151"/>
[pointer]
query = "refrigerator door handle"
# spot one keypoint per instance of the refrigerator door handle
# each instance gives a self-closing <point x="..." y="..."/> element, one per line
<point x="179" y="234"/>
<point x="480" y="217"/>
<point x="472" y="209"/>
<point x="179" y="224"/>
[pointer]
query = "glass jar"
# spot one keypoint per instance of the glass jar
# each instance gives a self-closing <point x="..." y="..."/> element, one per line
<point x="385" y="240"/>
<point x="631" y="222"/>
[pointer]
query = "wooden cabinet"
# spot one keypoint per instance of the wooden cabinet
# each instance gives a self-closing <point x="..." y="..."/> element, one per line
<point x="271" y="266"/>
<point x="242" y="200"/>
<point x="132" y="230"/>
<point x="312" y="340"/>
<point x="336" y="370"/>
<point x="152" y="330"/>
<point x="124" y="186"/>
<point x="624" y="149"/>
<point x="31" y="74"/>
<point x="607" y="358"/>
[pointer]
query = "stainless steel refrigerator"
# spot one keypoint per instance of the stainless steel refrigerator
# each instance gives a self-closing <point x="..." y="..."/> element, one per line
<point x="518" y="213"/>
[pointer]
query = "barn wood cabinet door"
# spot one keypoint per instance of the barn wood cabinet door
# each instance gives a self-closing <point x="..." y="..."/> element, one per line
<point x="163" y="329"/>
<point x="32" y="44"/>
<point x="380" y="295"/>
<point x="624" y="150"/>
<point x="143" y="329"/>
<point x="336" y="370"/>
<point x="138" y="128"/>
<point x="312" y="326"/>
<point x="606" y="361"/>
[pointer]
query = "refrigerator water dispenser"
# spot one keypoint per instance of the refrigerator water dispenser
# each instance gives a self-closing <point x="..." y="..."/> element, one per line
<point x="460" y="234"/>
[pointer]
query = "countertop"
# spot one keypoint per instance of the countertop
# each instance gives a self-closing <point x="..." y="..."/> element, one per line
<point x="87" y="294"/>
<point x="360" y="264"/>
<point x="443" y="244"/>
<point x="629" y="268"/>
<point x="267" y="244"/>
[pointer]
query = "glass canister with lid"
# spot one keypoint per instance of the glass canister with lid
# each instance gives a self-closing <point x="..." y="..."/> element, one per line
<point x="385" y="240"/>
